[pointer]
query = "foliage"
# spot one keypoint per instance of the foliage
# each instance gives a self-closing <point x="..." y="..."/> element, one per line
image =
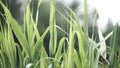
<point x="29" y="51"/>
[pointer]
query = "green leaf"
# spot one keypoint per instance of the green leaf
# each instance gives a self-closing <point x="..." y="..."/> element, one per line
<point x="53" y="31"/>
<point x="16" y="29"/>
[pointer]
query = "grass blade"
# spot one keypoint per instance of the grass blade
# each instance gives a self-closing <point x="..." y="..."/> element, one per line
<point x="53" y="31"/>
<point x="16" y="29"/>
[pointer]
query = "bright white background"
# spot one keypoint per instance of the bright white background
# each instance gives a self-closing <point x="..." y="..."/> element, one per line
<point x="107" y="9"/>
